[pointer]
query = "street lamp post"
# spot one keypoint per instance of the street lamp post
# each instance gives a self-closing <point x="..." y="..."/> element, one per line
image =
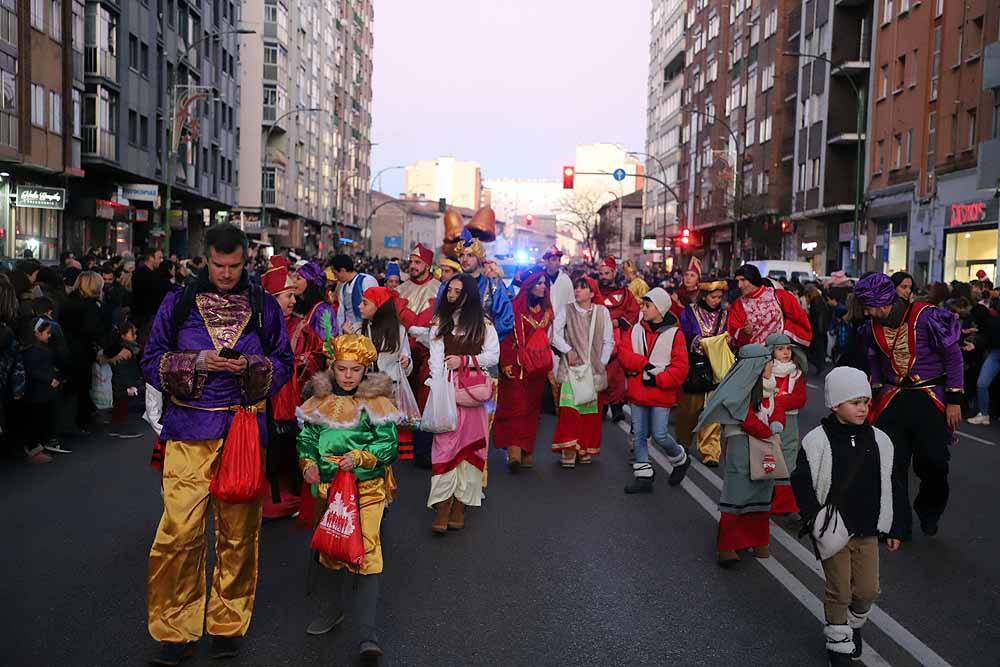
<point x="663" y="174"/>
<point x="267" y="140"/>
<point x="621" y="220"/>
<point x="368" y="220"/>
<point x="858" y="173"/>
<point x="737" y="176"/>
<point x="166" y="206"/>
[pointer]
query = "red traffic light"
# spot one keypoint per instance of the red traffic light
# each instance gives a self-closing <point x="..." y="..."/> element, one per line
<point x="529" y="220"/>
<point x="568" y="173"/>
<point x="685" y="237"/>
<point x="786" y="226"/>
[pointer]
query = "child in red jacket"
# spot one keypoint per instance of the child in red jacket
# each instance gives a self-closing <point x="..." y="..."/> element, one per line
<point x="654" y="356"/>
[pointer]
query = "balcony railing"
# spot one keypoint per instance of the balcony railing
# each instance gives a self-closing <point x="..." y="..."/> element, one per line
<point x="100" y="62"/>
<point x="98" y="142"/>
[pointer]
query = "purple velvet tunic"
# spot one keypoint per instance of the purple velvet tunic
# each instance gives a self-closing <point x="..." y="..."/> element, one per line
<point x="215" y="321"/>
<point x="695" y="326"/>
<point x="935" y="353"/>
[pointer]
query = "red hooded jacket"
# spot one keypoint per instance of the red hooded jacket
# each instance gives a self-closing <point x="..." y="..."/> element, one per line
<point x="668" y="383"/>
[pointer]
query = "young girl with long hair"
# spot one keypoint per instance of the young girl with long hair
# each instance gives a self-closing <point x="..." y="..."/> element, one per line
<point x="463" y="344"/>
<point x="380" y="322"/>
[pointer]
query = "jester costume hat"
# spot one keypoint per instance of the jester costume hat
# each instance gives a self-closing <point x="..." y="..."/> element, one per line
<point x="482" y="228"/>
<point x="730" y="402"/>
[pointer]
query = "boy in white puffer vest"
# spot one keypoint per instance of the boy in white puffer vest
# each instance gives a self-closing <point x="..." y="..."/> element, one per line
<point x="845" y="464"/>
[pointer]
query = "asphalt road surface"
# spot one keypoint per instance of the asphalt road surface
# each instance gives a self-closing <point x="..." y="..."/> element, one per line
<point x="558" y="567"/>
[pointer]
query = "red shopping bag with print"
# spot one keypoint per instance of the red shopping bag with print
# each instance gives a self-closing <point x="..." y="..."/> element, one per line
<point x="239" y="477"/>
<point x="536" y="354"/>
<point x="338" y="534"/>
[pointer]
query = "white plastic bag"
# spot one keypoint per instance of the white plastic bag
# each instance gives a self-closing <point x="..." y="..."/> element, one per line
<point x="406" y="403"/>
<point x="441" y="411"/>
<point x="154" y="408"/>
<point x="100" y="386"/>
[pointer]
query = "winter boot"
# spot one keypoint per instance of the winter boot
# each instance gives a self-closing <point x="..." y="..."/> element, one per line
<point x="617" y="414"/>
<point x="456" y="518"/>
<point x="839" y="644"/>
<point x="856" y="621"/>
<point x="762" y="551"/>
<point x="680" y="470"/>
<point x="642" y="480"/>
<point x="440" y="525"/>
<point x="513" y="458"/>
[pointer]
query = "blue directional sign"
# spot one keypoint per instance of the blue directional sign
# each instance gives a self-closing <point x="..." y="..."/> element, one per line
<point x="619" y="174"/>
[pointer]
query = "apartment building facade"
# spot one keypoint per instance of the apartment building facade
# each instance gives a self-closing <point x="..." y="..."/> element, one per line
<point x="664" y="125"/>
<point x="935" y="122"/>
<point x="739" y="115"/>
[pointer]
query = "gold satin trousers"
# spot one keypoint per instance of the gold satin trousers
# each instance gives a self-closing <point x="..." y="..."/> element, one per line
<point x="709" y="437"/>
<point x="175" y="602"/>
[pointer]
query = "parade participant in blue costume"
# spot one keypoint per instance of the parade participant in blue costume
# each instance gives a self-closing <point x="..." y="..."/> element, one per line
<point x="496" y="302"/>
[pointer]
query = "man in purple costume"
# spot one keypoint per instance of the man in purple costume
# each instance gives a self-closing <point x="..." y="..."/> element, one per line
<point x="215" y="346"/>
<point x="916" y="366"/>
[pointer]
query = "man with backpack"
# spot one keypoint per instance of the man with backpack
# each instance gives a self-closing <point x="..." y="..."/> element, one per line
<point x="217" y="351"/>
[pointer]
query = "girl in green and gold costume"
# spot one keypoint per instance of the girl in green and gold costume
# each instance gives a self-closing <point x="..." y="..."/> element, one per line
<point x="349" y="423"/>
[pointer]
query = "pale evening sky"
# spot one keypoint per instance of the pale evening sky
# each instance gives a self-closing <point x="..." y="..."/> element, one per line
<point x="514" y="84"/>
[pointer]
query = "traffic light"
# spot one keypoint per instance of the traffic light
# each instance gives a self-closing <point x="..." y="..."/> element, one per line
<point x="786" y="226"/>
<point x="686" y="237"/>
<point x="568" y="173"/>
<point x="529" y="220"/>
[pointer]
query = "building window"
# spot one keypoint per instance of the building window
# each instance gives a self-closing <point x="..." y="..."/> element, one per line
<point x="133" y="53"/>
<point x="936" y="63"/>
<point x="931" y="146"/>
<point x="133" y="127"/>
<point x="954" y="134"/>
<point x="897" y="151"/>
<point x="77" y="114"/>
<point x="144" y="60"/>
<point x="802" y="177"/>
<point x="973" y="128"/>
<point x="900" y="73"/>
<point x="637" y="231"/>
<point x="996" y="113"/>
<point x="55" y="20"/>
<point x="908" y="147"/>
<point x="37" y="105"/>
<point x="938" y="8"/>
<point x="815" y="173"/>
<point x="886" y="11"/>
<point x="144" y="132"/>
<point x="55" y="112"/>
<point x="38" y="14"/>
<point x="880" y="156"/>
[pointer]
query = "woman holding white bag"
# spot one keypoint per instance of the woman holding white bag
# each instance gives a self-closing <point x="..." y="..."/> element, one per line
<point x="583" y="334"/>
<point x="462" y="345"/>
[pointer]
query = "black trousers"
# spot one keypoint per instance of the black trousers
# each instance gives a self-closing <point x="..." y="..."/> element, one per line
<point x="919" y="432"/>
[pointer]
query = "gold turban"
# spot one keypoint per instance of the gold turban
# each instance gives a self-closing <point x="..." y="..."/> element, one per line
<point x="451" y="264"/>
<point x="352" y="347"/>
<point x="713" y="286"/>
<point x="472" y="245"/>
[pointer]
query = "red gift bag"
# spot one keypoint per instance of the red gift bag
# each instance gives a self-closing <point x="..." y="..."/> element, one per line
<point x="240" y="475"/>
<point x="338" y="534"/>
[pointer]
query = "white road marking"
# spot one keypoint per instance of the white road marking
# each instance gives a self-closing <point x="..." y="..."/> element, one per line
<point x="976" y="438"/>
<point x="892" y="628"/>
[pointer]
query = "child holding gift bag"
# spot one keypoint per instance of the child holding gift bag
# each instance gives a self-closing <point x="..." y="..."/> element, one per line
<point x="845" y="488"/>
<point x="349" y="424"/>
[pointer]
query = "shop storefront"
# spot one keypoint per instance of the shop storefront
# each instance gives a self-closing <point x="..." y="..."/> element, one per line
<point x="970" y="240"/>
<point x="37" y="219"/>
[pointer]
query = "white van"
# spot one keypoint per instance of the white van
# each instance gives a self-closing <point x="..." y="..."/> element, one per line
<point x="783" y="270"/>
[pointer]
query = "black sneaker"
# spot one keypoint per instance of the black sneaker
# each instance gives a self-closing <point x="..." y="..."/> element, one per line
<point x="858" y="648"/>
<point x="838" y="659"/>
<point x="224" y="647"/>
<point x="56" y="447"/>
<point x="172" y="654"/>
<point x="678" y="473"/>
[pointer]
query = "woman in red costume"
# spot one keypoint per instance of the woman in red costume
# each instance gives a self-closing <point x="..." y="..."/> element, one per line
<point x="516" y="422"/>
